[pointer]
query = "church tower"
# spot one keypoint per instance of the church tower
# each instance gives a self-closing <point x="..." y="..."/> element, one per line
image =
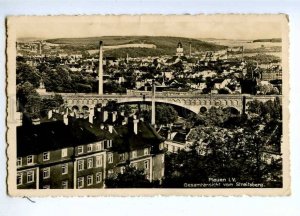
<point x="179" y="50"/>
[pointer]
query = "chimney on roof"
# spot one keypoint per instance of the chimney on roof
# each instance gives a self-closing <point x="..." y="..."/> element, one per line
<point x="135" y="126"/>
<point x="66" y="119"/>
<point x="50" y="112"/>
<point x="114" y="116"/>
<point x="110" y="128"/>
<point x="104" y="116"/>
<point x="125" y="121"/>
<point x="169" y="134"/>
<point x="91" y="117"/>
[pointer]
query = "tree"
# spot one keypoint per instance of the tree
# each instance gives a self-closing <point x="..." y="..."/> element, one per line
<point x="111" y="106"/>
<point x="126" y="109"/>
<point x="130" y="178"/>
<point x="50" y="103"/>
<point x="26" y="73"/>
<point x="165" y="114"/>
<point x="29" y="100"/>
<point x="223" y="91"/>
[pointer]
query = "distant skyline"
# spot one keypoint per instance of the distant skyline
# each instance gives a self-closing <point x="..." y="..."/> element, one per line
<point x="236" y="27"/>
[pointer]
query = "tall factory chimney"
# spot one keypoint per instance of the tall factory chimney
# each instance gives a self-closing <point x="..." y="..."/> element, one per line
<point x="190" y="49"/>
<point x="40" y="48"/>
<point x="100" y="70"/>
<point x="153" y="104"/>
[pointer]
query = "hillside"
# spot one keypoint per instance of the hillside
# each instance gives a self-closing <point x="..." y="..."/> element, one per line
<point x="164" y="45"/>
<point x="272" y="40"/>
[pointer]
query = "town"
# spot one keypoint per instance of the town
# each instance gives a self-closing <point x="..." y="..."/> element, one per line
<point x="132" y="115"/>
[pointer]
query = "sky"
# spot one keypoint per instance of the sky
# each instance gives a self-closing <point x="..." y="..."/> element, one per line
<point x="203" y="26"/>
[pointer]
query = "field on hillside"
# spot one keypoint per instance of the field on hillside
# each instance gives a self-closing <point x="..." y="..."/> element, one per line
<point x="164" y="45"/>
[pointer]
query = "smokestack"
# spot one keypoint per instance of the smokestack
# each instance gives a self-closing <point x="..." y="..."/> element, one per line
<point x="135" y="126"/>
<point x="153" y="104"/>
<point x="40" y="48"/>
<point x="190" y="49"/>
<point x="100" y="71"/>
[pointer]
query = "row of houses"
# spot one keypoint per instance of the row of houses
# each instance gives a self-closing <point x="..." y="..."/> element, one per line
<point x="75" y="151"/>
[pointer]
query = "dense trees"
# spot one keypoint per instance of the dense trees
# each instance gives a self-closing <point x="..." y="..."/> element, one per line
<point x="130" y="178"/>
<point x="26" y="73"/>
<point x="164" y="114"/>
<point x="222" y="152"/>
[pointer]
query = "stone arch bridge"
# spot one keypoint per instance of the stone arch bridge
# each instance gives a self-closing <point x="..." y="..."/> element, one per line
<point x="190" y="101"/>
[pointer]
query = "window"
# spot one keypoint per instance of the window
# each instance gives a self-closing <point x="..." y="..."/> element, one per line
<point x="19" y="178"/>
<point x="99" y="161"/>
<point x="161" y="146"/>
<point x="90" y="163"/>
<point x="134" y="154"/>
<point x="89" y="180"/>
<point x="46" y="187"/>
<point x="122" y="157"/>
<point x="146" y="151"/>
<point x="46" y="156"/>
<point x="80" y="149"/>
<point x="64" y="168"/>
<point x="30" y="176"/>
<point x="29" y="159"/>
<point x="19" y="161"/>
<point x="80" y="165"/>
<point x="109" y="143"/>
<point x="110" y="158"/>
<point x="146" y="165"/>
<point x="64" y="152"/>
<point x="134" y="165"/>
<point x="98" y="147"/>
<point x="98" y="177"/>
<point x="64" y="184"/>
<point x="122" y="169"/>
<point x="80" y="182"/>
<point x="89" y="147"/>
<point x="46" y="173"/>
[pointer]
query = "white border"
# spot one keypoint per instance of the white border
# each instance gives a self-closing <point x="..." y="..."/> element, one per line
<point x="160" y="205"/>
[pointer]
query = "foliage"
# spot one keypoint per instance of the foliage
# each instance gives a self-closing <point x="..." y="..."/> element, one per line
<point x="164" y="114"/>
<point x="164" y="45"/>
<point x="267" y="111"/>
<point x="26" y="73"/>
<point x="50" y="103"/>
<point x="131" y="178"/>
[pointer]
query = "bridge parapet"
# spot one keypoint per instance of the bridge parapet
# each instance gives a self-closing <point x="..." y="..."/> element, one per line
<point x="190" y="101"/>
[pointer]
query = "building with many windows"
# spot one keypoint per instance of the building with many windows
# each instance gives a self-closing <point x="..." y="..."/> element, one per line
<point x="80" y="152"/>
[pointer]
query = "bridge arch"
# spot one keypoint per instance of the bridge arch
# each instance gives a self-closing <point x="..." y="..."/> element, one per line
<point x="85" y="108"/>
<point x="75" y="108"/>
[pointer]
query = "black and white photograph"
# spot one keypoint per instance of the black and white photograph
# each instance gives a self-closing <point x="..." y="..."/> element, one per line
<point x="167" y="104"/>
